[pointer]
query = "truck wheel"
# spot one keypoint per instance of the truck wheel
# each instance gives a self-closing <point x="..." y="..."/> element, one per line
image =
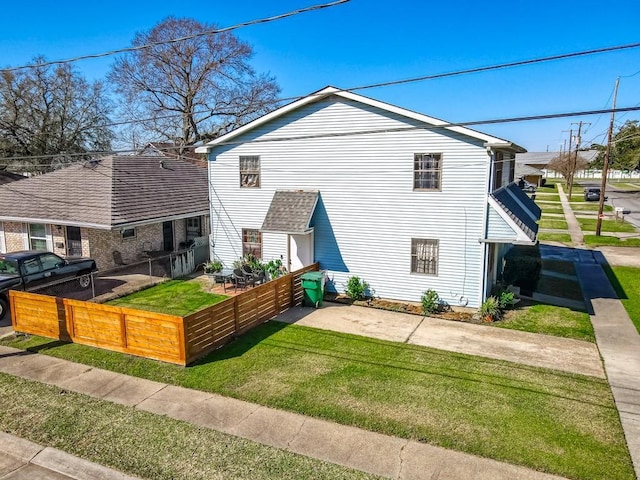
<point x="4" y="308"/>
<point x="85" y="281"/>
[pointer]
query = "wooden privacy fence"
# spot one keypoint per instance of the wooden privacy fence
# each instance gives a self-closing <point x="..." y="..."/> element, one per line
<point x="168" y="338"/>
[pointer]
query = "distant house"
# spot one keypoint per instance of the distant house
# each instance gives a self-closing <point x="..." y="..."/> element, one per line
<point x="533" y="166"/>
<point x="120" y="204"/>
<point x="172" y="150"/>
<point x="402" y="200"/>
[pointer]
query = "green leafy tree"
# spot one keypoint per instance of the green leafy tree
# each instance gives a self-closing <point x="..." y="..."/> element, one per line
<point x="190" y="90"/>
<point x="50" y="114"/>
<point x="625" y="148"/>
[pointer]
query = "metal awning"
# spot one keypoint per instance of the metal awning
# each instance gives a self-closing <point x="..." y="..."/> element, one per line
<point x="290" y="212"/>
<point x="512" y="216"/>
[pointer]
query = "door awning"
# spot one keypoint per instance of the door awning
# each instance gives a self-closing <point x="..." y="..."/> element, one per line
<point x="290" y="212"/>
<point x="512" y="216"/>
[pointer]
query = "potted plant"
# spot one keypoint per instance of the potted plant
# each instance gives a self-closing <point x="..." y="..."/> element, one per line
<point x="212" y="267"/>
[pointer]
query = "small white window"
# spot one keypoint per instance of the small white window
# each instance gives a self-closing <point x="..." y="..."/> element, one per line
<point x="250" y="171"/>
<point x="37" y="236"/>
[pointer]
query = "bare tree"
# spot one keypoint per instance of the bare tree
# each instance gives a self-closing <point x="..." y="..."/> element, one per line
<point x="191" y="90"/>
<point x="47" y="114"/>
<point x="567" y="164"/>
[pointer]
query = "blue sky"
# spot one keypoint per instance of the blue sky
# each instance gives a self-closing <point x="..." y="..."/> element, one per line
<point x="369" y="41"/>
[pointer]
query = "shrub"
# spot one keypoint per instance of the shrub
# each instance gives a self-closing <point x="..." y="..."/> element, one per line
<point x="274" y="268"/>
<point x="490" y="310"/>
<point x="213" y="266"/>
<point x="430" y="302"/>
<point x="355" y="288"/>
<point x="505" y="300"/>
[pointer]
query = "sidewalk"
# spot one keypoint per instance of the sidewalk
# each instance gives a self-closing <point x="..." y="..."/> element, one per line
<point x="370" y="452"/>
<point x="575" y="231"/>
<point x="619" y="344"/>
<point x="24" y="460"/>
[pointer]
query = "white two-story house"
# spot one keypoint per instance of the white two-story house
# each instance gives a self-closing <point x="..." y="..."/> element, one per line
<point x="404" y="201"/>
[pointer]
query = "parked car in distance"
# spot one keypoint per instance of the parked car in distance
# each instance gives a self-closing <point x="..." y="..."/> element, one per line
<point x="527" y="186"/>
<point x="592" y="194"/>
<point x="29" y="269"/>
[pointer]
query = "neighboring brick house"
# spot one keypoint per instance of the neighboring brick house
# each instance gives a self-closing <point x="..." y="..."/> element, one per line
<point x="112" y="208"/>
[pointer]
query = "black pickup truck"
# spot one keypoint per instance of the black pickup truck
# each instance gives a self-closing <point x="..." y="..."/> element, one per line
<point x="30" y="269"/>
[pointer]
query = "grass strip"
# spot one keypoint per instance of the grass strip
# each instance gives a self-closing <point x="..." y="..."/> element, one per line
<point x="589" y="207"/>
<point x="547" y="420"/>
<point x="625" y="282"/>
<point x="555" y="237"/>
<point x="547" y="197"/>
<point x="550" y="320"/>
<point x="589" y="225"/>
<point x="143" y="444"/>
<point x="175" y="297"/>
<point x="605" y="240"/>
<point x="552" y="223"/>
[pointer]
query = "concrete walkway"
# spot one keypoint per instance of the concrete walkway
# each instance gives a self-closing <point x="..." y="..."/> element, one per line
<point x="532" y="349"/>
<point x="572" y="222"/>
<point x="370" y="452"/>
<point x="619" y="344"/>
<point x="24" y="460"/>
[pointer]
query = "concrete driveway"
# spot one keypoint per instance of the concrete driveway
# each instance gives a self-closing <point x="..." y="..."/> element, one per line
<point x="531" y="349"/>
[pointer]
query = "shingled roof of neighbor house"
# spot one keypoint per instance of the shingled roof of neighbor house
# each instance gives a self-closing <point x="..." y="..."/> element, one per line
<point x="109" y="193"/>
<point x="8" y="177"/>
<point x="290" y="211"/>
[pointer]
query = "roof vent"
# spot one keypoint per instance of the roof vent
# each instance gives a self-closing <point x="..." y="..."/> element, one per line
<point x="162" y="164"/>
<point x="93" y="163"/>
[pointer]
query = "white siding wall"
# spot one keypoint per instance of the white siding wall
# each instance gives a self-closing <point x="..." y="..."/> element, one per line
<point x="498" y="229"/>
<point x="3" y="246"/>
<point x="366" y="187"/>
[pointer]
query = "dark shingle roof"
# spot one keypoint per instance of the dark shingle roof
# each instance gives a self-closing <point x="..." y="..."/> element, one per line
<point x="109" y="193"/>
<point x="518" y="205"/>
<point x="290" y="212"/>
<point x="8" y="177"/>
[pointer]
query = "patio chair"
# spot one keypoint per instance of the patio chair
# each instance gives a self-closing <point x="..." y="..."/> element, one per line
<point x="239" y="279"/>
<point x="249" y="275"/>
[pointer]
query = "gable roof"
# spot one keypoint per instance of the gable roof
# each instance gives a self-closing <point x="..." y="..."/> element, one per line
<point x="109" y="193"/>
<point x="489" y="140"/>
<point x="290" y="211"/>
<point x="541" y="159"/>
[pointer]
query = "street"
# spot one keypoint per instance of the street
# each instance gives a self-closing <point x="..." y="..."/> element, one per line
<point x="619" y="198"/>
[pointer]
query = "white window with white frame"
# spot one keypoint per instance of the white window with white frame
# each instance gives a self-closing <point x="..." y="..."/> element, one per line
<point x="3" y="245"/>
<point x="427" y="171"/>
<point x="37" y="236"/>
<point x="424" y="256"/>
<point x="250" y="171"/>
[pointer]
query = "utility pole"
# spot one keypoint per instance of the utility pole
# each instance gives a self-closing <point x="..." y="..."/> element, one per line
<point x="605" y="167"/>
<point x="569" y="171"/>
<point x="574" y="164"/>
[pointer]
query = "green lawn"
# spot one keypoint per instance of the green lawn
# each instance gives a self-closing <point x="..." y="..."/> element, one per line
<point x="628" y="185"/>
<point x="143" y="444"/>
<point x="589" y="207"/>
<point x="554" y="237"/>
<point x="548" y="420"/>
<point x="604" y="240"/>
<point x="589" y="225"/>
<point x="175" y="297"/>
<point x="550" y="207"/>
<point x="625" y="281"/>
<point x="555" y="224"/>
<point x="550" y="320"/>
<point x="547" y="197"/>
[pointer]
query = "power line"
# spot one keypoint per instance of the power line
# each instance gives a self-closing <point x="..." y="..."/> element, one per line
<point x="180" y="39"/>
<point x="354" y="133"/>
<point x="391" y="82"/>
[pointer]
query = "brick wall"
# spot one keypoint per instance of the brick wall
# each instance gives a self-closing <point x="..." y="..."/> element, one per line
<point x="102" y="244"/>
<point x="14" y="236"/>
<point x="57" y="233"/>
